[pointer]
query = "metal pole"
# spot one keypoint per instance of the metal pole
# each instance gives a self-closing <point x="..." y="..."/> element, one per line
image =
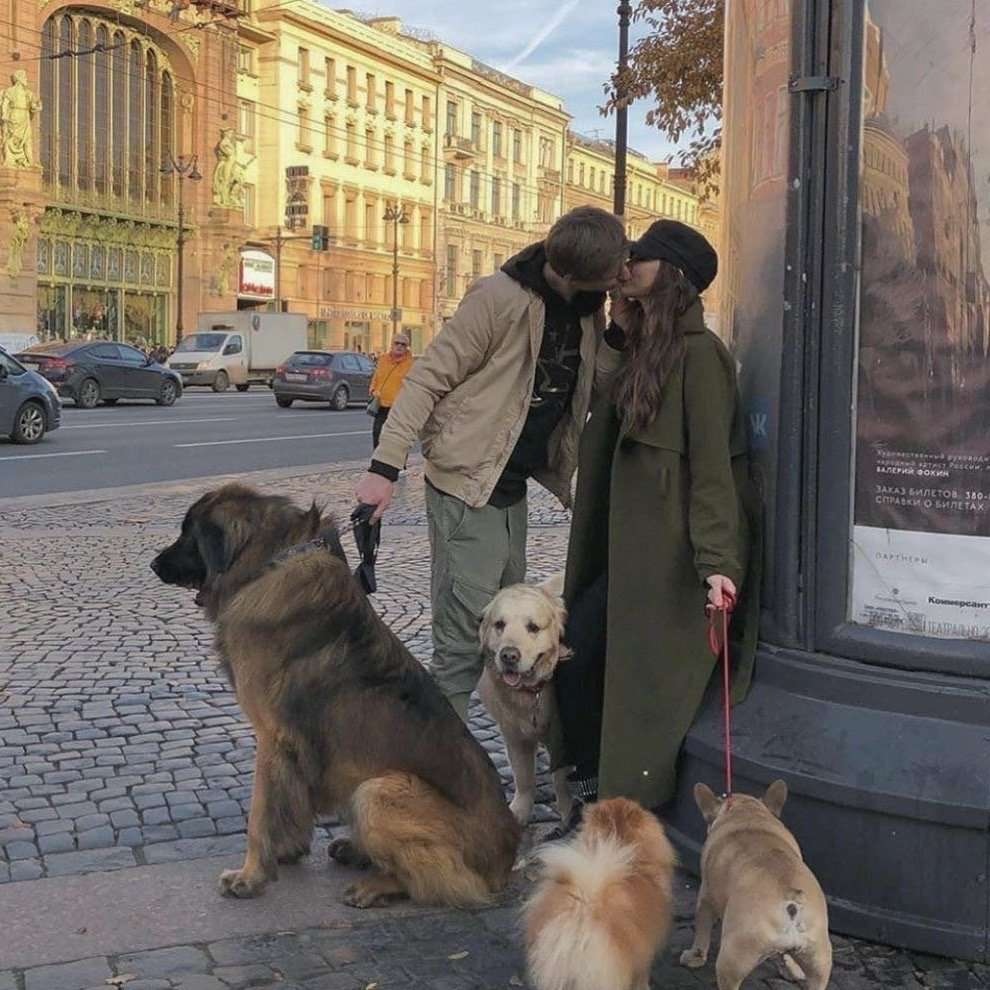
<point x="180" y="243"/>
<point x="278" y="269"/>
<point x="622" y="113"/>
<point x="395" y="276"/>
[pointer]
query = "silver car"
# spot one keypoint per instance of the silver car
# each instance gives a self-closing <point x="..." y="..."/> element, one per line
<point x="337" y="377"/>
<point x="29" y="404"/>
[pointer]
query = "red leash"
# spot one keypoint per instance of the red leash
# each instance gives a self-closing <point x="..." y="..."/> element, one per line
<point x="721" y="649"/>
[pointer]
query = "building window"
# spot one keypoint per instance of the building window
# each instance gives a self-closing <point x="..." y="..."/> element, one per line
<point x="516" y="201"/>
<point x="352" y="85"/>
<point x="409" y="167"/>
<point x="451" y="271"/>
<point x="371" y="91"/>
<point x="352" y="148"/>
<point x="250" y="217"/>
<point x="476" y="129"/>
<point x="449" y="183"/>
<point x="245" y="59"/>
<point x="497" y="139"/>
<point x="303" y="68"/>
<point x="372" y="234"/>
<point x="246" y="124"/>
<point x="329" y="211"/>
<point x="390" y="154"/>
<point x="581" y="175"/>
<point x="425" y="165"/>
<point x="329" y="137"/>
<point x="496" y="196"/>
<point x="390" y="100"/>
<point x="601" y="181"/>
<point x="476" y="263"/>
<point x="517" y="146"/>
<point x="330" y="77"/>
<point x="499" y="260"/>
<point x="84" y="111"/>
<point x="452" y="119"/>
<point x="302" y="141"/>
<point x="370" y="149"/>
<point x="410" y="108"/>
<point x="475" y="190"/>
<point x="591" y="177"/>
<point x="135" y="120"/>
<point x="570" y="172"/>
<point x="427" y="115"/>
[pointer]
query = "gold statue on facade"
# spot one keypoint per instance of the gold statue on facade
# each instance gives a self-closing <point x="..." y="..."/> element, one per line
<point x="228" y="176"/>
<point x="18" y="239"/>
<point x="18" y="107"/>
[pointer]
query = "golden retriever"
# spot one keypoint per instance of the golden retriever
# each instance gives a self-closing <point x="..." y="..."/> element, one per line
<point x="602" y="910"/>
<point x="521" y="636"/>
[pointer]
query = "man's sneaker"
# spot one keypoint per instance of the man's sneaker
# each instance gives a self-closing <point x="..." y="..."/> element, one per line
<point x="565" y="829"/>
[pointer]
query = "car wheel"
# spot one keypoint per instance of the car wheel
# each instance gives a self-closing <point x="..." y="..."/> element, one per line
<point x="338" y="400"/>
<point x="168" y="394"/>
<point x="221" y="382"/>
<point x="29" y="424"/>
<point x="243" y="388"/>
<point x="88" y="396"/>
<point x="283" y="403"/>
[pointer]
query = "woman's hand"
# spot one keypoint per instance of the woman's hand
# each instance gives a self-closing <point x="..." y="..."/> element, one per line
<point x="721" y="591"/>
<point x="622" y="310"/>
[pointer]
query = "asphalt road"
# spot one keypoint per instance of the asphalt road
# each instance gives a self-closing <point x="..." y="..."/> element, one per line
<point x="203" y="434"/>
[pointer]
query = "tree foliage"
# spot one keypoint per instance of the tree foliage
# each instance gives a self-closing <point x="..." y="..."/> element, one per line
<point x="678" y="66"/>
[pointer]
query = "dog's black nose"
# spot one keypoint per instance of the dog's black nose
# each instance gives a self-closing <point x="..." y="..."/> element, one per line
<point x="509" y="656"/>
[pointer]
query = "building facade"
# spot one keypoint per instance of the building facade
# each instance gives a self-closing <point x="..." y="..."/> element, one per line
<point x="254" y="123"/>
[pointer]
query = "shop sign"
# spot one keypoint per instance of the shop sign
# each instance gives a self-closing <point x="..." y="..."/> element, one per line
<point x="257" y="277"/>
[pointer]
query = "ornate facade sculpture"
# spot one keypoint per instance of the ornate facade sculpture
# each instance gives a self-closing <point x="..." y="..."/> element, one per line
<point x="18" y="239"/>
<point x="18" y="106"/>
<point x="228" y="176"/>
<point x="225" y="273"/>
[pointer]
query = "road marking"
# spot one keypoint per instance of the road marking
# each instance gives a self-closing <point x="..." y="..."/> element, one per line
<point x="68" y="453"/>
<point x="152" y="422"/>
<point x="301" y="436"/>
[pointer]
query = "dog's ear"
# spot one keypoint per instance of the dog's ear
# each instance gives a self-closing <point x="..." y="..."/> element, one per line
<point x="215" y="547"/>
<point x="775" y="797"/>
<point x="485" y="625"/>
<point x="706" y="801"/>
<point x="559" y="620"/>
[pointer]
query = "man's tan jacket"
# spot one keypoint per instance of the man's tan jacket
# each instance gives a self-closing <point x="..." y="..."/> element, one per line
<point x="468" y="396"/>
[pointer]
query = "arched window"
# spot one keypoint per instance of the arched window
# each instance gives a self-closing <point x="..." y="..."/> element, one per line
<point x="109" y="118"/>
<point x="84" y="108"/>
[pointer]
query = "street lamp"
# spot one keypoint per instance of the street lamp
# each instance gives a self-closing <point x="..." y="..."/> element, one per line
<point x="184" y="167"/>
<point x="395" y="215"/>
<point x="622" y="112"/>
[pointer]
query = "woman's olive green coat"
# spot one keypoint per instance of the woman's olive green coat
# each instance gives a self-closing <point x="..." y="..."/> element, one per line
<point x="663" y="509"/>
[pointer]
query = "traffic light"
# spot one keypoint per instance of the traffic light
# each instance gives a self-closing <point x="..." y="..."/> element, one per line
<point x="321" y="237"/>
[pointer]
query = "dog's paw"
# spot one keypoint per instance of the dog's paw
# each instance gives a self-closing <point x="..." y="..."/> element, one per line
<point x="369" y="894"/>
<point x="236" y="883"/>
<point x="693" y="958"/>
<point x="345" y="852"/>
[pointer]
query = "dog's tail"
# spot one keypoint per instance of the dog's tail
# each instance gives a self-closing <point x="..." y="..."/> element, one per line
<point x="570" y="940"/>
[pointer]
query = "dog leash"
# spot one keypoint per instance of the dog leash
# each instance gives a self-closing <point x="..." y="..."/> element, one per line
<point x="720" y="650"/>
<point x="367" y="537"/>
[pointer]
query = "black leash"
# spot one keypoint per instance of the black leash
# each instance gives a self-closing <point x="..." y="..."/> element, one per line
<point x="367" y="537"/>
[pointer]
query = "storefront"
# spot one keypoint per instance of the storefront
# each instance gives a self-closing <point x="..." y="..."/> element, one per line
<point x="855" y="247"/>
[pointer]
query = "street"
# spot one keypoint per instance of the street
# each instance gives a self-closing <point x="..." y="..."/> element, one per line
<point x="203" y="434"/>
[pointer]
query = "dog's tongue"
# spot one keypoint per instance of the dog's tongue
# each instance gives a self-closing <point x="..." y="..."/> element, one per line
<point x="512" y="678"/>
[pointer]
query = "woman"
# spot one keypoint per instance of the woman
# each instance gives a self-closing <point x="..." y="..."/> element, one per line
<point x="663" y="460"/>
<point x="390" y="372"/>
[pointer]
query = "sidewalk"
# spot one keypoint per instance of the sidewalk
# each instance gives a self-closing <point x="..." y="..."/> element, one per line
<point x="125" y="772"/>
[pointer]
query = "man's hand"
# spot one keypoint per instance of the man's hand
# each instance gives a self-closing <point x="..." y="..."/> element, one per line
<point x="721" y="591"/>
<point x="375" y="490"/>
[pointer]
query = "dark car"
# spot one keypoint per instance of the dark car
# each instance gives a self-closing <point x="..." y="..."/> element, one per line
<point x="337" y="377"/>
<point x="94" y="371"/>
<point x="29" y="405"/>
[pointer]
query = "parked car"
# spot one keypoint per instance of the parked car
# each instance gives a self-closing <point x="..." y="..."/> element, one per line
<point x="29" y="404"/>
<point x="337" y="377"/>
<point x="94" y="371"/>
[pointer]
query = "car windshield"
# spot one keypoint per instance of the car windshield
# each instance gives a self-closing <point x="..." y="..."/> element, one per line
<point x="201" y="342"/>
<point x="306" y="359"/>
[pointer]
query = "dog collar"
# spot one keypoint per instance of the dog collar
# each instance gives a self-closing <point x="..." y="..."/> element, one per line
<point x="320" y="543"/>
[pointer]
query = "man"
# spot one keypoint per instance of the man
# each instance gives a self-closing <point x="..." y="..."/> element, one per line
<point x="390" y="372"/>
<point x="500" y="396"/>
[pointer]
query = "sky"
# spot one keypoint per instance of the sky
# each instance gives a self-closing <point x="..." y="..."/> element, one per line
<point x="566" y="47"/>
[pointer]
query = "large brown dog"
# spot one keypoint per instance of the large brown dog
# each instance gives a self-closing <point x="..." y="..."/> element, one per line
<point x="346" y="719"/>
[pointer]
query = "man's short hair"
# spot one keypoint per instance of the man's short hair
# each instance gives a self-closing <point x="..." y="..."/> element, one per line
<point x="587" y="243"/>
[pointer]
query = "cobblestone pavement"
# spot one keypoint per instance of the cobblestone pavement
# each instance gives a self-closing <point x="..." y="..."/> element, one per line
<point x="121" y="744"/>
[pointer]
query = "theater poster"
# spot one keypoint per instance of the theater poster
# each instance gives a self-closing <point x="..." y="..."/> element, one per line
<point x="921" y="535"/>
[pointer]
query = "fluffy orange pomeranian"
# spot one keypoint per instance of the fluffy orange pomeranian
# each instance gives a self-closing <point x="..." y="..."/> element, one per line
<point x="602" y="909"/>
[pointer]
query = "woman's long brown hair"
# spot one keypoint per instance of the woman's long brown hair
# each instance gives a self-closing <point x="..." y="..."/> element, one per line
<point x="654" y="347"/>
